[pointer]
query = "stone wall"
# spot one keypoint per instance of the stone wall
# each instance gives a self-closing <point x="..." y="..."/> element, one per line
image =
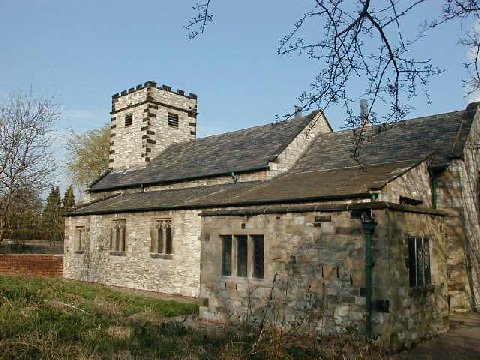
<point x="178" y="273"/>
<point x="458" y="188"/>
<point x="31" y="265"/>
<point x="315" y="274"/>
<point x="415" y="313"/>
<point x="413" y="184"/>
<point x="149" y="134"/>
<point x="287" y="158"/>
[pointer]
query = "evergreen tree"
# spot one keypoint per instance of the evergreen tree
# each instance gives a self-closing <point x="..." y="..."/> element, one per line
<point x="69" y="200"/>
<point x="52" y="217"/>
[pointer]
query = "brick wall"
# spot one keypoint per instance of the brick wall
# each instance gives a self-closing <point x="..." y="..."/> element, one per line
<point x="32" y="265"/>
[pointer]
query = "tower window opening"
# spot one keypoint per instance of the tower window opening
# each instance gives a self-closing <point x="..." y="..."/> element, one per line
<point x="128" y="120"/>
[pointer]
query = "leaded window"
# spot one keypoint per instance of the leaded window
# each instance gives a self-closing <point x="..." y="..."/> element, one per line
<point x="226" y="255"/>
<point x="419" y="261"/>
<point x="243" y="256"/>
<point x="258" y="256"/>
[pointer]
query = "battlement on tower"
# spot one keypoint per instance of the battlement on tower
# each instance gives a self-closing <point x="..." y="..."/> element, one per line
<point x="146" y="119"/>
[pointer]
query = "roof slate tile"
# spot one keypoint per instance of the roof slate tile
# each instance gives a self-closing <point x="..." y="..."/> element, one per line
<point x="239" y="151"/>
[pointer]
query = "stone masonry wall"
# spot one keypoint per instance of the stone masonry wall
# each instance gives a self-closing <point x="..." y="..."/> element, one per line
<point x="149" y="134"/>
<point x="318" y="263"/>
<point x="297" y="147"/>
<point x="136" y="267"/>
<point x="414" y="184"/>
<point x="458" y="188"/>
<point x="415" y="313"/>
<point x="314" y="265"/>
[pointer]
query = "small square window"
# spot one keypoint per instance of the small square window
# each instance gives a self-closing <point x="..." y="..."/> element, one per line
<point x="173" y="120"/>
<point x="128" y="119"/>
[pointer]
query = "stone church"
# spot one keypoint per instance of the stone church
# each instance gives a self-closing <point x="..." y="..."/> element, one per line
<point x="282" y="218"/>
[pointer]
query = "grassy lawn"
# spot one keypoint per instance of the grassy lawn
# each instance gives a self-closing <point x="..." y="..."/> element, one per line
<point x="56" y="319"/>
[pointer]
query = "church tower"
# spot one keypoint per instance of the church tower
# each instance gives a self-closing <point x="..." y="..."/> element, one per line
<point x="146" y="120"/>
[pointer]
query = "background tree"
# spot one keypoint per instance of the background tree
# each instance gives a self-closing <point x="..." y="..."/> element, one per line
<point x="88" y="155"/>
<point x="26" y="160"/>
<point x="24" y="221"/>
<point x="366" y="41"/>
<point x="52" y="216"/>
<point x="68" y="200"/>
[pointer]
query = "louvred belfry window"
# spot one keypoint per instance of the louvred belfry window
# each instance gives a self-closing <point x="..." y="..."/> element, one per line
<point x="173" y="120"/>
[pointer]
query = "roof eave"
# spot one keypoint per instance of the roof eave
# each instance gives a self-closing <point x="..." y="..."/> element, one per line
<point x="325" y="198"/>
<point x="167" y="182"/>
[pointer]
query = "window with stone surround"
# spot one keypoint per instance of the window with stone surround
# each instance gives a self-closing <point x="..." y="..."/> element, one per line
<point x="118" y="237"/>
<point x="258" y="256"/>
<point x="173" y="120"/>
<point x="128" y="119"/>
<point x="226" y="255"/>
<point x="419" y="261"/>
<point x="243" y="256"/>
<point x="79" y="244"/>
<point x="161" y="238"/>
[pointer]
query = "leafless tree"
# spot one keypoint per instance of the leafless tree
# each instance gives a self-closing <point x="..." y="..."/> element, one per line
<point x="367" y="41"/>
<point x="26" y="160"/>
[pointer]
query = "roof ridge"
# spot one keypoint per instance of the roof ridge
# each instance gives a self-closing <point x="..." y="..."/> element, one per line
<point x="276" y="123"/>
<point x="403" y="121"/>
<point x="416" y="161"/>
<point x="208" y="137"/>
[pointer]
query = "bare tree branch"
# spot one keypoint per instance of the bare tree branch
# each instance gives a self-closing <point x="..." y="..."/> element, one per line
<point x="197" y="24"/>
<point x="363" y="41"/>
<point x="26" y="161"/>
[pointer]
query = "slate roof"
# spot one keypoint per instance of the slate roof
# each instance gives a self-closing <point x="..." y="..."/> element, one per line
<point x="326" y="171"/>
<point x="165" y="199"/>
<point x="239" y="151"/>
<point x="289" y="188"/>
<point x="442" y="136"/>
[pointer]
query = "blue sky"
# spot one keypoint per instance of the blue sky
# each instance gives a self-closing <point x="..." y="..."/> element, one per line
<point x="82" y="52"/>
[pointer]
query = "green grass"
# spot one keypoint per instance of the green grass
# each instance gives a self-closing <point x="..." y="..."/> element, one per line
<point x="49" y="318"/>
<point x="56" y="319"/>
